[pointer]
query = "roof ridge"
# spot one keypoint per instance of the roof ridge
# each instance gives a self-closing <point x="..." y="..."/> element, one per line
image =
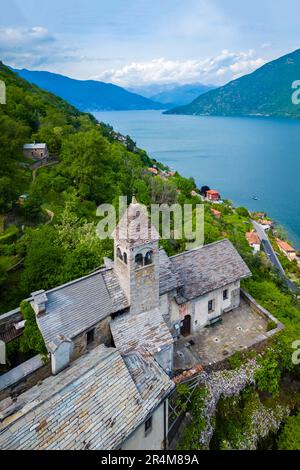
<point x="104" y="269"/>
<point x="201" y="247"/>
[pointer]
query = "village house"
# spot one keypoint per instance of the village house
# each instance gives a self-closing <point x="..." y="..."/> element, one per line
<point x="266" y="224"/>
<point x="36" y="151"/>
<point x="154" y="171"/>
<point x="253" y="241"/>
<point x="213" y="195"/>
<point x="259" y="215"/>
<point x="216" y="214"/>
<point x="111" y="337"/>
<point x="287" y="250"/>
<point x="22" y="199"/>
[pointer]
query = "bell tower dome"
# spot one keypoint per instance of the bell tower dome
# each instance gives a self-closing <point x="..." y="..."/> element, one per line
<point x="137" y="258"/>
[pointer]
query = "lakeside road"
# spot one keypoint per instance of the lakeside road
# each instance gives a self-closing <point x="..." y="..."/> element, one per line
<point x="270" y="252"/>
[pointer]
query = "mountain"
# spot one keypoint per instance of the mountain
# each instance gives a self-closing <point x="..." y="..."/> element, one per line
<point x="265" y="92"/>
<point x="172" y="94"/>
<point x="181" y="94"/>
<point x="89" y="95"/>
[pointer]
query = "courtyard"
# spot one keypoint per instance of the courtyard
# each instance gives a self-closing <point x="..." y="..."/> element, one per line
<point x="238" y="330"/>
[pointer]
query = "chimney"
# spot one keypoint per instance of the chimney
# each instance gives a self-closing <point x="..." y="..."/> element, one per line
<point x="60" y="349"/>
<point x="39" y="302"/>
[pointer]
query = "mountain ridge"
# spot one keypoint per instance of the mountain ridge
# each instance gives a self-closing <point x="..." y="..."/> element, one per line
<point x="88" y="95"/>
<point x="265" y="92"/>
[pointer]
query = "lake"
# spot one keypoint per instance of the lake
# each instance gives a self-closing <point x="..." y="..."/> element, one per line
<point x="240" y="157"/>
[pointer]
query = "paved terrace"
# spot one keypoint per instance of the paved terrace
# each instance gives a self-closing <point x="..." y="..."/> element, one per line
<point x="240" y="329"/>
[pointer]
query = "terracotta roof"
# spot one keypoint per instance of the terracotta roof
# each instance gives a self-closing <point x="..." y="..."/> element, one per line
<point x="153" y="170"/>
<point x="213" y="192"/>
<point x="253" y="238"/>
<point x="265" y="222"/>
<point x="285" y="246"/>
<point x="216" y="213"/>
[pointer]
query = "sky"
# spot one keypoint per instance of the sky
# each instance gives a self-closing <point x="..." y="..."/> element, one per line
<point x="141" y="42"/>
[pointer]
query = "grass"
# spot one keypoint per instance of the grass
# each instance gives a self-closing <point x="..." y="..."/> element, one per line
<point x="7" y="261"/>
<point x="8" y="234"/>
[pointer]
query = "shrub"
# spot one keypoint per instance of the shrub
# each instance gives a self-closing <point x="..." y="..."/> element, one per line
<point x="268" y="375"/>
<point x="289" y="438"/>
<point x="235" y="361"/>
<point x="32" y="339"/>
<point x="242" y="211"/>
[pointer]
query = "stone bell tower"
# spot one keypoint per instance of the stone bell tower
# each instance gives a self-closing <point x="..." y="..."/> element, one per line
<point x="137" y="258"/>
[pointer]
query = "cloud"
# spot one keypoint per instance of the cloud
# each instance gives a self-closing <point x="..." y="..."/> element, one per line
<point x="217" y="70"/>
<point x="11" y="38"/>
<point x="32" y="47"/>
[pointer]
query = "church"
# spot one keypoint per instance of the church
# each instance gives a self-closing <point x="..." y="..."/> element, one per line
<point x="110" y="337"/>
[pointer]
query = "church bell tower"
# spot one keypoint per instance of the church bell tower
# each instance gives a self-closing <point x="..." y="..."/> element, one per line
<point x="136" y="255"/>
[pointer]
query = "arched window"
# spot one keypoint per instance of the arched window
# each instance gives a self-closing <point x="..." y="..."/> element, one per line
<point x="139" y="260"/>
<point x="149" y="258"/>
<point x="125" y="258"/>
<point x="119" y="254"/>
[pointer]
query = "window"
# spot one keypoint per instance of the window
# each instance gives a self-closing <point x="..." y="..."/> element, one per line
<point x="119" y="254"/>
<point x="211" y="306"/>
<point x="225" y="294"/>
<point x="139" y="260"/>
<point x="148" y="426"/>
<point x="149" y="258"/>
<point x="125" y="258"/>
<point x="90" y="336"/>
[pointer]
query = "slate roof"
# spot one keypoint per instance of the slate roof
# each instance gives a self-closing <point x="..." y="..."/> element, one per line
<point x="168" y="280"/>
<point x="94" y="404"/>
<point x="10" y="334"/>
<point x="136" y="215"/>
<point x="34" y="146"/>
<point x="147" y="330"/>
<point x="208" y="268"/>
<point x="81" y="304"/>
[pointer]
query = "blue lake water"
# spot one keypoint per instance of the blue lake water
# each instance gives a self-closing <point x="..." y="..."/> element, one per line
<point x="240" y="157"/>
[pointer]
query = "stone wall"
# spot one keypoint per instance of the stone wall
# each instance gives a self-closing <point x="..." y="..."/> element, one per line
<point x="102" y="335"/>
<point x="9" y="319"/>
<point x="23" y="377"/>
<point x="263" y="313"/>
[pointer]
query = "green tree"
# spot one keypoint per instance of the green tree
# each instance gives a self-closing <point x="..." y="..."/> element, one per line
<point x="289" y="438"/>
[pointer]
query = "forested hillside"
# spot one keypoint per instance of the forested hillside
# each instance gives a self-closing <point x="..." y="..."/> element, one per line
<point x="89" y="95"/>
<point x="53" y="234"/>
<point x="265" y="92"/>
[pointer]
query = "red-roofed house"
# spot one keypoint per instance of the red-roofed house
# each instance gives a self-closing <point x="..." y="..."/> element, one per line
<point x="266" y="223"/>
<point x="286" y="249"/>
<point x="213" y="195"/>
<point x="254" y="241"/>
<point x="153" y="171"/>
<point x="217" y="214"/>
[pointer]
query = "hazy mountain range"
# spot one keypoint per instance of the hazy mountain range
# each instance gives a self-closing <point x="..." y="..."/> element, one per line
<point x="172" y="94"/>
<point x="89" y="95"/>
